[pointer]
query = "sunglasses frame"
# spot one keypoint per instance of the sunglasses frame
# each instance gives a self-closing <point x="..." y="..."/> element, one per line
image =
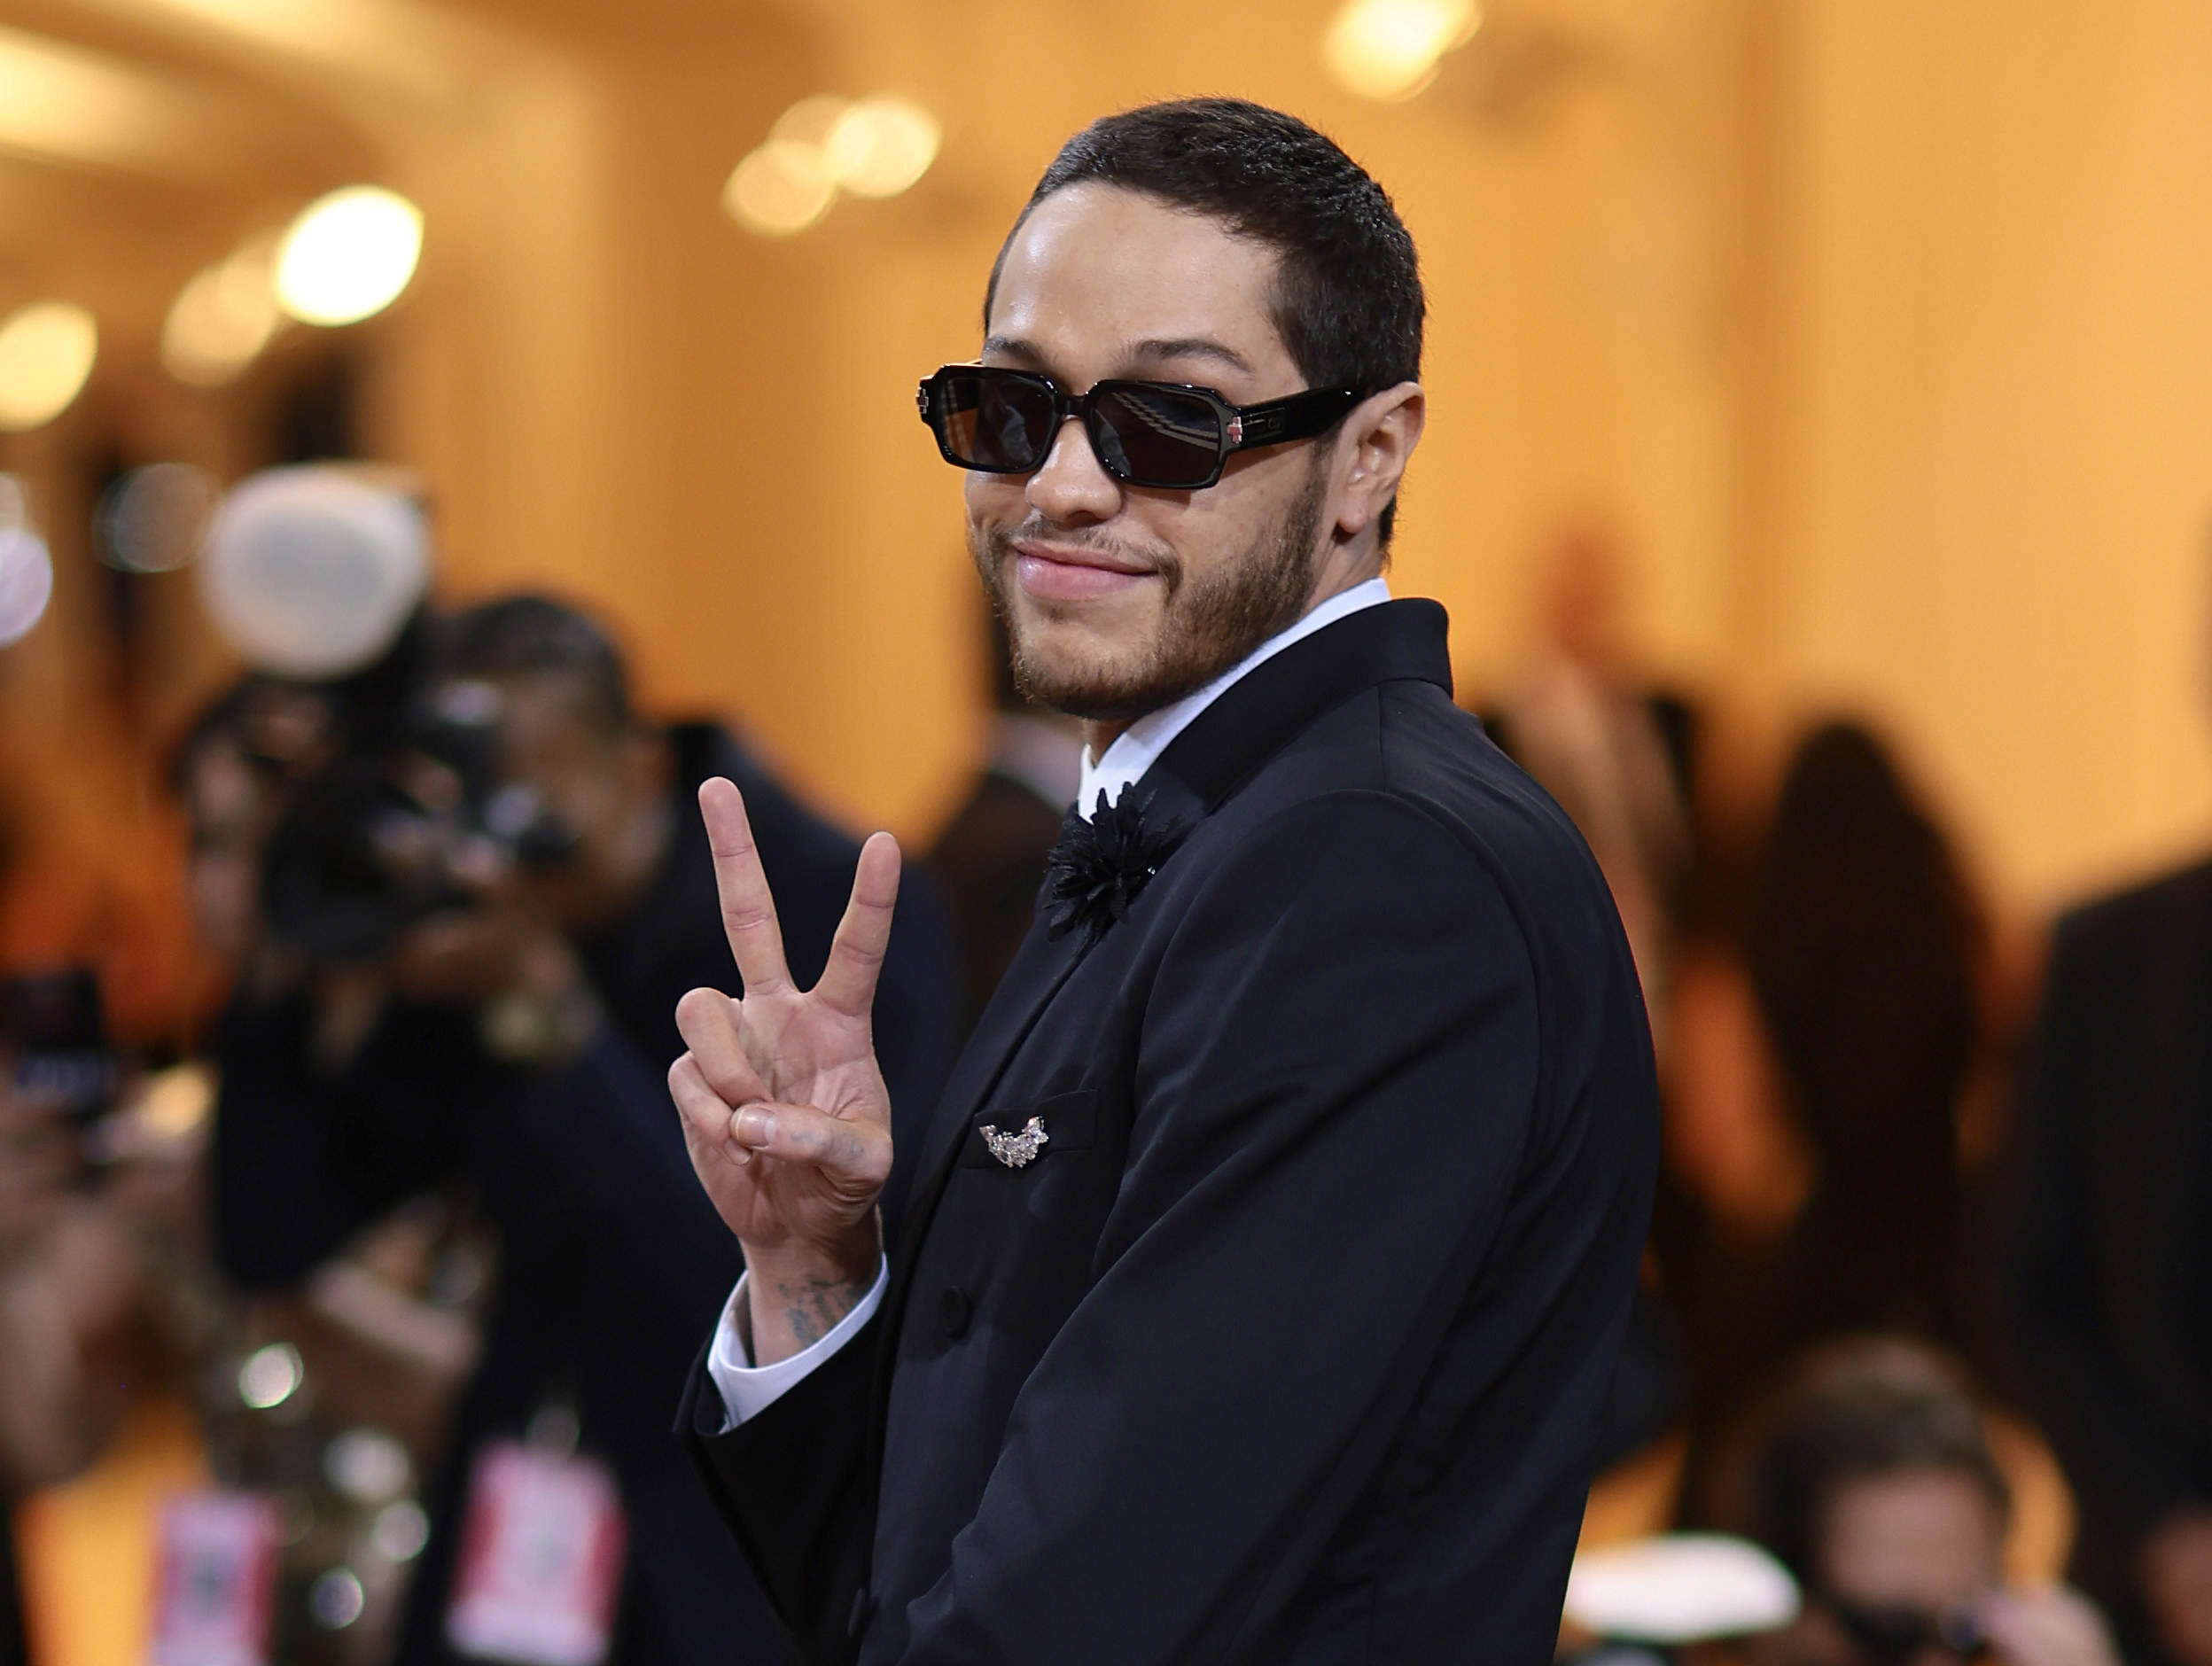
<point x="1242" y="427"/>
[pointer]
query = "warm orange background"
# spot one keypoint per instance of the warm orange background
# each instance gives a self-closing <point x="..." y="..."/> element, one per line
<point x="1878" y="327"/>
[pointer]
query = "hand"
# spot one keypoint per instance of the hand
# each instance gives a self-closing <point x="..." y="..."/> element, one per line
<point x="2176" y="1575"/>
<point x="465" y="957"/>
<point x="2052" y="1626"/>
<point x="784" y="1108"/>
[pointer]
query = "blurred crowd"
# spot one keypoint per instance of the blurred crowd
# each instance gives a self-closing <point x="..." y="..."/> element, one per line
<point x="383" y="1218"/>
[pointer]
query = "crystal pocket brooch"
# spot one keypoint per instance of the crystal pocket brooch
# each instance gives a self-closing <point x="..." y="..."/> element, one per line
<point x="1017" y="1150"/>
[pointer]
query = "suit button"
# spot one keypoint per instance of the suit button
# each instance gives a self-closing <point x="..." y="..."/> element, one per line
<point x="954" y="1308"/>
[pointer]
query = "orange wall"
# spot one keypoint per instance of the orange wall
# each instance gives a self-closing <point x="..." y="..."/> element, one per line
<point x="1877" y="326"/>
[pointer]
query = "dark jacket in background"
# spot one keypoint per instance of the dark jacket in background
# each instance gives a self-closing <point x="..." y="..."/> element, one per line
<point x="990" y="861"/>
<point x="2110" y="1259"/>
<point x="1292" y="1345"/>
<point x="614" y="1259"/>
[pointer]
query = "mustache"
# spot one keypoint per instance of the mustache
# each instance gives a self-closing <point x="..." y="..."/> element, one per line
<point x="998" y="542"/>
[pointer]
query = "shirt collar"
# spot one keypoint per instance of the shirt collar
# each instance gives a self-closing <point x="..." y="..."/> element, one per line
<point x="1137" y="747"/>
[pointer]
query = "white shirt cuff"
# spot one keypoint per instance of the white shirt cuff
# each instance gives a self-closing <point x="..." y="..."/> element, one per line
<point x="748" y="1389"/>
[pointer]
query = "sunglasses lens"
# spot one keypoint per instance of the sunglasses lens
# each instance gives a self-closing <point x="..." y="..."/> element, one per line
<point x="1000" y="424"/>
<point x="1156" y="436"/>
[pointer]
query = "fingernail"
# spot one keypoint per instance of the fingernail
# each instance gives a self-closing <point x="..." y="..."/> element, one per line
<point x="755" y="1126"/>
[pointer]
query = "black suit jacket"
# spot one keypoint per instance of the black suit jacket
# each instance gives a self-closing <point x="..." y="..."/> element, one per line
<point x="2110" y="1269"/>
<point x="1292" y="1345"/>
<point x="614" y="1259"/>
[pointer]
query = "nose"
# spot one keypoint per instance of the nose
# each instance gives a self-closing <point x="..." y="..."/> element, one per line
<point x="1071" y="485"/>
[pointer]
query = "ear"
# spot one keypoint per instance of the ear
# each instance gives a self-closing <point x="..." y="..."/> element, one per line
<point x="1376" y="443"/>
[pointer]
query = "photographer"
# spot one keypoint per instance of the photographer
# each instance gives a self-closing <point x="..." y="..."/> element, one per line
<point x="519" y="1035"/>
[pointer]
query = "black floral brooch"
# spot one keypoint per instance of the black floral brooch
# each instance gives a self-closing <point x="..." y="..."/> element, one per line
<point x="1101" y="864"/>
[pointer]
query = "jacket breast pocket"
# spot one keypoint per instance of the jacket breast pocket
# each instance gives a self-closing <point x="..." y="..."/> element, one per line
<point x="1012" y="1137"/>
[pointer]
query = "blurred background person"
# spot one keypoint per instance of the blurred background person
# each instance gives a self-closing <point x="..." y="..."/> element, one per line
<point x="2109" y="1257"/>
<point x="1826" y="1044"/>
<point x="1613" y="751"/>
<point x="991" y="858"/>
<point x="1868" y="1474"/>
<point x="501" y="1012"/>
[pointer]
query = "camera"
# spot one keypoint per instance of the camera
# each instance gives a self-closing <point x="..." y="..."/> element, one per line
<point x="405" y="817"/>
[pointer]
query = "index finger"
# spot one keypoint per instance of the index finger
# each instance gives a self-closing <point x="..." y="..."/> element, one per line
<point x="748" y="909"/>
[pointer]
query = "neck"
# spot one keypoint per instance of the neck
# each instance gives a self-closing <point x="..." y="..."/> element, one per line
<point x="1337" y="578"/>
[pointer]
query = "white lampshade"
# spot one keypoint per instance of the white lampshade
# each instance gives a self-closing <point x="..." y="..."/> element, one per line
<point x="311" y="572"/>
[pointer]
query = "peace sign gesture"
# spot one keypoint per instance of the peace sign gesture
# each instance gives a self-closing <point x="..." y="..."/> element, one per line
<point x="784" y="1108"/>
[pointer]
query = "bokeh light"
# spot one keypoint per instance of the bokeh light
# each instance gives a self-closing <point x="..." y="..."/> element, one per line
<point x="1389" y="49"/>
<point x="881" y="146"/>
<point x="27" y="582"/>
<point x="779" y="189"/>
<point x="154" y="518"/>
<point x="46" y="353"/>
<point x="348" y="255"/>
<point x="223" y="317"/>
<point x="822" y="145"/>
<point x="271" y="1376"/>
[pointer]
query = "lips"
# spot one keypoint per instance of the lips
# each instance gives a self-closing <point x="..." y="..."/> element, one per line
<point x="1061" y="572"/>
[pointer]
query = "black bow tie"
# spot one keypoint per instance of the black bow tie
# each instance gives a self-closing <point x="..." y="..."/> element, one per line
<point x="1101" y="864"/>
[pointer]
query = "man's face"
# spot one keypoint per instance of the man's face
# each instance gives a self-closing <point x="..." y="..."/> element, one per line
<point x="1920" y="1541"/>
<point x="606" y="789"/>
<point x="1120" y="599"/>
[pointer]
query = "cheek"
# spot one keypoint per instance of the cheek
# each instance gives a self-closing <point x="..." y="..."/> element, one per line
<point x="993" y="499"/>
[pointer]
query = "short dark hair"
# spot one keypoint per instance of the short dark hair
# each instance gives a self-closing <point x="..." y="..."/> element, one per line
<point x="534" y="636"/>
<point x="1856" y="1410"/>
<point x="1348" y="300"/>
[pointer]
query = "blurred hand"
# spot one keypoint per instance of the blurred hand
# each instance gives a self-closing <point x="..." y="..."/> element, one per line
<point x="783" y="1105"/>
<point x="2052" y="1626"/>
<point x="2177" y="1576"/>
<point x="467" y="957"/>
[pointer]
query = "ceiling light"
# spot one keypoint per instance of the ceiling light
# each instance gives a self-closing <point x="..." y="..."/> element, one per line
<point x="1389" y="49"/>
<point x="348" y="255"/>
<point x="223" y="317"/>
<point x="46" y="352"/>
<point x="880" y="147"/>
<point x="782" y="188"/>
<point x="868" y="147"/>
<point x="812" y="121"/>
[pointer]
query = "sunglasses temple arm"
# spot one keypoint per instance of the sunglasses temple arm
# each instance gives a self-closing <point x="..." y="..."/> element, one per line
<point x="1300" y="417"/>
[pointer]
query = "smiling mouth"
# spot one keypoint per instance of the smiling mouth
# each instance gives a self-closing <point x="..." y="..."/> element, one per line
<point x="1061" y="572"/>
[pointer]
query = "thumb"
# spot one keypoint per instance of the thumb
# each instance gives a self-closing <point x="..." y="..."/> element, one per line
<point x="852" y="1155"/>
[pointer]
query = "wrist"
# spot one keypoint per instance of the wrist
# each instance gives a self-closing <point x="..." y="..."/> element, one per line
<point x="798" y="1294"/>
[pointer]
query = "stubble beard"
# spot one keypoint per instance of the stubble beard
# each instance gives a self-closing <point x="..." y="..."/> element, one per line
<point x="1206" y="624"/>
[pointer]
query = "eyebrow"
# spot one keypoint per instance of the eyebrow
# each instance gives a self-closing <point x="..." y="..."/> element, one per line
<point x="1169" y="348"/>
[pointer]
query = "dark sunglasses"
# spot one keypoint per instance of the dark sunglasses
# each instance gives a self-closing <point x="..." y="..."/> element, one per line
<point x="1895" y="1636"/>
<point x="1159" y="434"/>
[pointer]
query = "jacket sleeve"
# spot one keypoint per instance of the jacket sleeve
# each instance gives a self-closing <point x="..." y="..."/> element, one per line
<point x="2127" y="1463"/>
<point x="303" y="1159"/>
<point x="1337" y="1087"/>
<point x="790" y="1483"/>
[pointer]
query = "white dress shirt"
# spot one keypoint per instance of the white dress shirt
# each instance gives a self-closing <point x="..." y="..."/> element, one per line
<point x="748" y="1389"/>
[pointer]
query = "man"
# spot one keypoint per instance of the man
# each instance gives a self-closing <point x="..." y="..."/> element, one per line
<point x="1272" y="1241"/>
<point x="1872" y="1480"/>
<point x="2109" y="1278"/>
<point x="992" y="854"/>
<point x="520" y="1043"/>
